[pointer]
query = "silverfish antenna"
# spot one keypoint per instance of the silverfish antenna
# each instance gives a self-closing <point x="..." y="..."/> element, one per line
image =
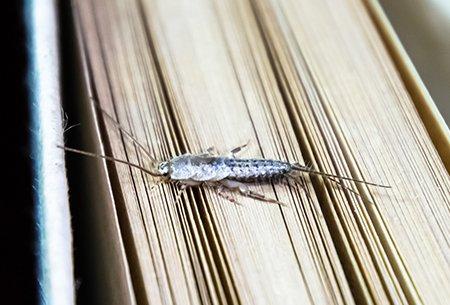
<point x="93" y="155"/>
<point x="311" y="171"/>
<point x="122" y="129"/>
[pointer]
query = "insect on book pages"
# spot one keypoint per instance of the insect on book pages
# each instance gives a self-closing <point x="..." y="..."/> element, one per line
<point x="304" y="81"/>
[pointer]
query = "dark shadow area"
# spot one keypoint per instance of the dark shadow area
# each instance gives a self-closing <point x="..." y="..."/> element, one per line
<point x="17" y="229"/>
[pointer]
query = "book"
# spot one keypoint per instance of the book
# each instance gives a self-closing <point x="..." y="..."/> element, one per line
<point x="314" y="82"/>
<point x="423" y="28"/>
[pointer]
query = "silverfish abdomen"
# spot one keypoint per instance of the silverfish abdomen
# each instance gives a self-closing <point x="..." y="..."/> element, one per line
<point x="256" y="169"/>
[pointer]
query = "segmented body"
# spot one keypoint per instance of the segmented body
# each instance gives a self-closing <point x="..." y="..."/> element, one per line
<point x="218" y="171"/>
<point x="207" y="168"/>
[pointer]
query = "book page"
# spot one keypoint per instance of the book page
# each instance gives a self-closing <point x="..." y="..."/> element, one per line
<point x="301" y="81"/>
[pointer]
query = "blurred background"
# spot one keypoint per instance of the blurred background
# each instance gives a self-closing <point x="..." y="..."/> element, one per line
<point x="423" y="27"/>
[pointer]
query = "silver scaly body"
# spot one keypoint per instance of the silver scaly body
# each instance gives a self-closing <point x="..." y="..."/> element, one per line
<point x="208" y="168"/>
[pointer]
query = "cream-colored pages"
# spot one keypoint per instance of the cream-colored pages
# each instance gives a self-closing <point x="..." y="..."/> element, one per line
<point x="302" y="81"/>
